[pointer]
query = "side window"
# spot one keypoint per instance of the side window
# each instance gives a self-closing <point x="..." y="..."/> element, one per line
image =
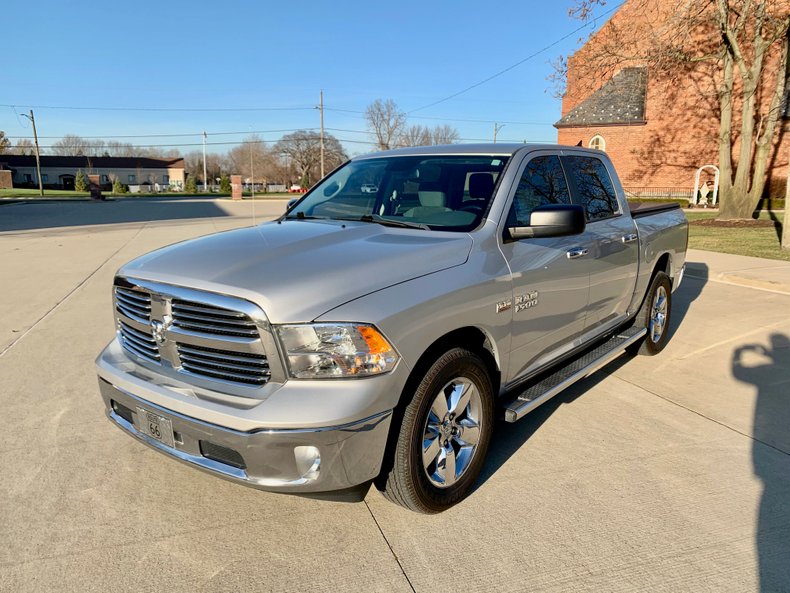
<point x="542" y="182"/>
<point x="593" y="186"/>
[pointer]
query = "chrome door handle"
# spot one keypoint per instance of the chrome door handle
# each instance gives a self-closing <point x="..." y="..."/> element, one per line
<point x="577" y="252"/>
<point x="630" y="238"/>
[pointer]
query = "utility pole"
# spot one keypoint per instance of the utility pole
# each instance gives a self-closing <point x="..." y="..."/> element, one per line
<point x="321" y="110"/>
<point x="496" y="130"/>
<point x="32" y="119"/>
<point x="205" y="177"/>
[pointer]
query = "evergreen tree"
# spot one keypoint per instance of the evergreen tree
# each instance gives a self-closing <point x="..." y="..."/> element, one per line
<point x="80" y="181"/>
<point x="224" y="184"/>
<point x="191" y="185"/>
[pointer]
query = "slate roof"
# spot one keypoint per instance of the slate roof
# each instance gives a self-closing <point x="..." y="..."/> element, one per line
<point x="96" y="162"/>
<point x="620" y="101"/>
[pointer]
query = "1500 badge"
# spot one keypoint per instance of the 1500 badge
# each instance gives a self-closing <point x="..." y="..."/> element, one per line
<point x="523" y="301"/>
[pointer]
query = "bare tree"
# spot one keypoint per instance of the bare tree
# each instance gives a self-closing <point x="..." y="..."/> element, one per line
<point x="735" y="51"/>
<point x="5" y="143"/>
<point x="72" y="145"/>
<point x="386" y="121"/>
<point x="23" y="146"/>
<point x="416" y="135"/>
<point x="444" y="134"/>
<point x="303" y="151"/>
<point x="252" y="158"/>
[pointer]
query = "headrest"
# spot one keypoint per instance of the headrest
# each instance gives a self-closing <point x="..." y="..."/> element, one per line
<point x="481" y="186"/>
<point x="431" y="199"/>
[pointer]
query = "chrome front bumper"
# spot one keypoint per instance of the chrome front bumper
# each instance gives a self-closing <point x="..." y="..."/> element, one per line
<point x="310" y="460"/>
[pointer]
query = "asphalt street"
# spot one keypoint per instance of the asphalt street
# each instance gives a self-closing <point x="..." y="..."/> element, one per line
<point x="662" y="474"/>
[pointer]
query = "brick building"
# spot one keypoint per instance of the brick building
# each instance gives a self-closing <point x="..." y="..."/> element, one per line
<point x="657" y="129"/>
<point x="59" y="172"/>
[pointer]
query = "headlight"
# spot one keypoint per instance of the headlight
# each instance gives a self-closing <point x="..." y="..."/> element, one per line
<point x="326" y="350"/>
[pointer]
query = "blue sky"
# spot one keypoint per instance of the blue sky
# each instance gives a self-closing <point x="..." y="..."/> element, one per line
<point x="236" y="55"/>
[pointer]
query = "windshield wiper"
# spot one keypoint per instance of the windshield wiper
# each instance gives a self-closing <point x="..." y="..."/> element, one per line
<point x="389" y="222"/>
<point x="302" y="216"/>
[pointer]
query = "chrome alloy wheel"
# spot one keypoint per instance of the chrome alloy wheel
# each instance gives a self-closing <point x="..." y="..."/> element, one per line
<point x="451" y="432"/>
<point x="658" y="315"/>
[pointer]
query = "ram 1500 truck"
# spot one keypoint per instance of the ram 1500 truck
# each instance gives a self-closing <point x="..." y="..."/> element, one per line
<point x="373" y="336"/>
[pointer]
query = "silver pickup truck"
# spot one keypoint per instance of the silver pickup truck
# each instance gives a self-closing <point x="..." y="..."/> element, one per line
<point x="375" y="336"/>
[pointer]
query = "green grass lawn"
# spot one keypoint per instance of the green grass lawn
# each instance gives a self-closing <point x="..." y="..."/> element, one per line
<point x="48" y="193"/>
<point x="756" y="242"/>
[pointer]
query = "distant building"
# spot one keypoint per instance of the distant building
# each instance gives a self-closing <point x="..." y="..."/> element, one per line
<point x="59" y="172"/>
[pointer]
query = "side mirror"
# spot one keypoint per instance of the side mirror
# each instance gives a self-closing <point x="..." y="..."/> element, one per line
<point x="291" y="203"/>
<point x="552" y="220"/>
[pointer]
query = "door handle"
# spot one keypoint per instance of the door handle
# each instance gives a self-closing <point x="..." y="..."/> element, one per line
<point x="630" y="238"/>
<point x="577" y="252"/>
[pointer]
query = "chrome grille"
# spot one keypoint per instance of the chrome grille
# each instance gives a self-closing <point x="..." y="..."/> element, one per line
<point x="224" y="364"/>
<point x="133" y="303"/>
<point x="139" y="342"/>
<point x="209" y="319"/>
<point x="199" y="337"/>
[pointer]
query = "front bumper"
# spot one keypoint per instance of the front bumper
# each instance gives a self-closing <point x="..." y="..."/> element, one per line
<point x="277" y="460"/>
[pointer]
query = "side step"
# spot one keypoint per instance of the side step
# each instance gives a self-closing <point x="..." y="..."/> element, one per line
<point x="566" y="376"/>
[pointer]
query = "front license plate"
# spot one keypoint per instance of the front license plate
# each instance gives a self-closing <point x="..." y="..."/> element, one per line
<point x="155" y="426"/>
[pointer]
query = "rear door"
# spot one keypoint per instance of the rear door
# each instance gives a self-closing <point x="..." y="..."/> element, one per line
<point x="549" y="287"/>
<point x="613" y="257"/>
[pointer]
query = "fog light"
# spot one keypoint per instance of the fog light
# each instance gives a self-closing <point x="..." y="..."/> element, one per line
<point x="308" y="461"/>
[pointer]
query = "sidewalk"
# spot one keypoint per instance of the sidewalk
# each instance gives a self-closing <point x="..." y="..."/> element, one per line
<point x="755" y="272"/>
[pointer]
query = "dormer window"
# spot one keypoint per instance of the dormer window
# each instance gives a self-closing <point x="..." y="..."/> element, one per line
<point x="598" y="143"/>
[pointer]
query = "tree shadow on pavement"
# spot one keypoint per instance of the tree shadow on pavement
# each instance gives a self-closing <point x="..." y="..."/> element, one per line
<point x="45" y="215"/>
<point x="768" y="369"/>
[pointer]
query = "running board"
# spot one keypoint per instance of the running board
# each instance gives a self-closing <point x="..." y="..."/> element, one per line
<point x="578" y="369"/>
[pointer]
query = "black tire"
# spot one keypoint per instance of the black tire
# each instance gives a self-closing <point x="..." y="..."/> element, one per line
<point x="655" y="340"/>
<point x="408" y="483"/>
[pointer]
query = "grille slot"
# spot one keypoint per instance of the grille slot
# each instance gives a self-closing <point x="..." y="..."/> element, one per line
<point x="213" y="363"/>
<point x="133" y="303"/>
<point x="138" y="342"/>
<point x="208" y="319"/>
<point x="222" y="454"/>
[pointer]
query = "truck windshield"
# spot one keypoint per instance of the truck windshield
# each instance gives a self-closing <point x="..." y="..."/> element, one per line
<point x="440" y="192"/>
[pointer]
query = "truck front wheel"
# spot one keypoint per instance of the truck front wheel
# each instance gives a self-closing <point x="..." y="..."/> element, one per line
<point x="444" y="435"/>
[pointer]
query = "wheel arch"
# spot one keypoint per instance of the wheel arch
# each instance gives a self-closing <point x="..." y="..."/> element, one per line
<point x="472" y="338"/>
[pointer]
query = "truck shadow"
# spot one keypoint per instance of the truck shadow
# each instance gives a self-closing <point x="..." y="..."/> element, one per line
<point x="767" y="368"/>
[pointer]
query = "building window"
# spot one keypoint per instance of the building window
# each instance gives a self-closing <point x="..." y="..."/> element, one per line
<point x="598" y="143"/>
<point x="44" y="177"/>
<point x="28" y="178"/>
<point x="166" y="179"/>
<point x="132" y="179"/>
<point x="105" y="179"/>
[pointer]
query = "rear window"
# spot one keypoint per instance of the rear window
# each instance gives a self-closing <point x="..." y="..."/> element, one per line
<point x="594" y="186"/>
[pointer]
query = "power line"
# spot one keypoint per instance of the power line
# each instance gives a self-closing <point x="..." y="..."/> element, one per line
<point x="181" y="135"/>
<point x="529" y="57"/>
<point x="166" y="109"/>
<point x="451" y="119"/>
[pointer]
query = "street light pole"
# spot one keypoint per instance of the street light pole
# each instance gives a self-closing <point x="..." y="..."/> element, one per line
<point x="32" y="119"/>
<point x="252" y="174"/>
<point x="496" y="130"/>
<point x="321" y="109"/>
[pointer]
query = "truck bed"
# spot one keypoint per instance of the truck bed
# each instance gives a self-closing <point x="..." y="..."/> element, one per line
<point x="640" y="209"/>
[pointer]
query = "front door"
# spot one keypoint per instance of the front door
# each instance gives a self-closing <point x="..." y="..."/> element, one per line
<point x="67" y="182"/>
<point x="550" y="289"/>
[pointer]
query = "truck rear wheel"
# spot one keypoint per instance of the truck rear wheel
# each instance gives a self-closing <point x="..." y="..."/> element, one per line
<point x="444" y="436"/>
<point x="655" y="314"/>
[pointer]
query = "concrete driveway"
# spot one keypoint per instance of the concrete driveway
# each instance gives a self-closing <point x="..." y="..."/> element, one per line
<point x="658" y="474"/>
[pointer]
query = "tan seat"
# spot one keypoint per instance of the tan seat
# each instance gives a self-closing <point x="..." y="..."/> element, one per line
<point x="431" y="202"/>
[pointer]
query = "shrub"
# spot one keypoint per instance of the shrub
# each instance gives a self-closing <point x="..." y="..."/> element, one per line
<point x="191" y="185"/>
<point x="224" y="184"/>
<point x="118" y="187"/>
<point x="80" y="181"/>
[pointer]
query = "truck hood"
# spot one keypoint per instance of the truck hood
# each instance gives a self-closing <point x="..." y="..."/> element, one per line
<point x="297" y="270"/>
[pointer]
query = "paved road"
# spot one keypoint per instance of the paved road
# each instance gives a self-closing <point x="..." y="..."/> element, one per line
<point x="658" y="474"/>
